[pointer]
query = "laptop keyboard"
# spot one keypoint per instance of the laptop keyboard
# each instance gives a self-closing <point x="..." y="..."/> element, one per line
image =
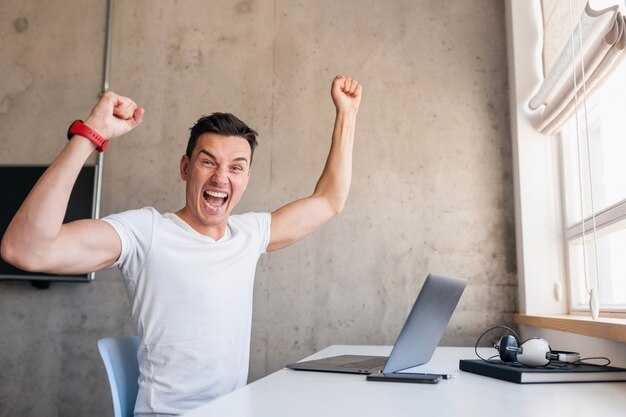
<point x="366" y="364"/>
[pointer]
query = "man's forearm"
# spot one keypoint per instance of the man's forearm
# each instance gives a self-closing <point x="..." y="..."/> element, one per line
<point x="334" y="183"/>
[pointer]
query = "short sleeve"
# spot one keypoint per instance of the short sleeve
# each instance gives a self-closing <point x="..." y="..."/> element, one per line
<point x="265" y="227"/>
<point x="256" y="226"/>
<point x="135" y="229"/>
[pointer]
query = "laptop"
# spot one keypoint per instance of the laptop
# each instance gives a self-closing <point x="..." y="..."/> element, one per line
<point x="417" y="341"/>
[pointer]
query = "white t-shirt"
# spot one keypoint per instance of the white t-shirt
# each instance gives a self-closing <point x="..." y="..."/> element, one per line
<point x="191" y="304"/>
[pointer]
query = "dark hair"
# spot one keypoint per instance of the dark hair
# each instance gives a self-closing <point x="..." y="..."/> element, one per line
<point x="223" y="124"/>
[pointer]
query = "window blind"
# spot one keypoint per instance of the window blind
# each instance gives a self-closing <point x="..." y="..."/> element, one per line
<point x="603" y="41"/>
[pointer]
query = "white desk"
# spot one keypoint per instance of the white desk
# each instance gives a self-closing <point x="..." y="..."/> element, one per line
<point x="302" y="393"/>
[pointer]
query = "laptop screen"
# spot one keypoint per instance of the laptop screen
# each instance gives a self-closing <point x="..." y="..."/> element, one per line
<point x="426" y="323"/>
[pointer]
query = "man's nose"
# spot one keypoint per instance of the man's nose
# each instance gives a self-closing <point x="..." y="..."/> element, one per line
<point x="219" y="177"/>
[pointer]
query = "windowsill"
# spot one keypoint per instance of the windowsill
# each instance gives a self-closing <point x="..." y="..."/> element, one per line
<point x="604" y="328"/>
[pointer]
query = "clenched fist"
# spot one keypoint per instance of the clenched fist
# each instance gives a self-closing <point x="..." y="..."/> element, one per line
<point x="346" y="93"/>
<point x="114" y="115"/>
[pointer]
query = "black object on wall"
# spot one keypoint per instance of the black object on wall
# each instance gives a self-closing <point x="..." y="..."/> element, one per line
<point x="16" y="181"/>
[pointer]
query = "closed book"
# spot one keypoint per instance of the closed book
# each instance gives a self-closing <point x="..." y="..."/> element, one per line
<point x="552" y="373"/>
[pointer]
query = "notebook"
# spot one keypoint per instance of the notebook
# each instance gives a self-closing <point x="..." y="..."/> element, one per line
<point x="525" y="375"/>
<point x="418" y="338"/>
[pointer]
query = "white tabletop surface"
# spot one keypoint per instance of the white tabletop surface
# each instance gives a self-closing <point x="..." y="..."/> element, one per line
<point x="304" y="393"/>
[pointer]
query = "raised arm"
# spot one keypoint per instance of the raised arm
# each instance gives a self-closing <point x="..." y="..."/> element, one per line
<point x="297" y="219"/>
<point x="37" y="239"/>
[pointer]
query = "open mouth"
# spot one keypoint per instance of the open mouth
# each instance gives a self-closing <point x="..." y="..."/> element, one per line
<point x="215" y="199"/>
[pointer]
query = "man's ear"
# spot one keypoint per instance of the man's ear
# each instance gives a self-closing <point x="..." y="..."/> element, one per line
<point x="184" y="168"/>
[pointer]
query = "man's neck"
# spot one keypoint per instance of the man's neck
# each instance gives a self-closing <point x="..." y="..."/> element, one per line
<point x="215" y="232"/>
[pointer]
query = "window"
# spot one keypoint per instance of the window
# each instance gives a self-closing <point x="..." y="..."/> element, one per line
<point x="606" y="121"/>
<point x="543" y="231"/>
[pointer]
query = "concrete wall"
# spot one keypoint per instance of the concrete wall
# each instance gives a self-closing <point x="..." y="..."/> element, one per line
<point x="432" y="187"/>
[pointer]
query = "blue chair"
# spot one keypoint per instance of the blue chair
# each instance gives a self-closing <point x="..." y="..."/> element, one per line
<point x="119" y="355"/>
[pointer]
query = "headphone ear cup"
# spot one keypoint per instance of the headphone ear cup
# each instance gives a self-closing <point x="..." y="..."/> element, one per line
<point x="507" y="348"/>
<point x="534" y="352"/>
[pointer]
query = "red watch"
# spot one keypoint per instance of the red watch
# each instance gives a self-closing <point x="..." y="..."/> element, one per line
<point x="80" y="128"/>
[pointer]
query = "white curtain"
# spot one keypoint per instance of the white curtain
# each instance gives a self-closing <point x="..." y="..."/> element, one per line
<point x="603" y="41"/>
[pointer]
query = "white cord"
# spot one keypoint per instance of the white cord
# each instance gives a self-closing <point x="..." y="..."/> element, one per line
<point x="578" y="158"/>
<point x="592" y="294"/>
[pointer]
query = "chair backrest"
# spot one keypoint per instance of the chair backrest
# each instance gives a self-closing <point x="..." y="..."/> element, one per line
<point x="119" y="355"/>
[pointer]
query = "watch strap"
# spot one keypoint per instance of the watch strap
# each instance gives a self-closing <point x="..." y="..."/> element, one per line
<point x="81" y="129"/>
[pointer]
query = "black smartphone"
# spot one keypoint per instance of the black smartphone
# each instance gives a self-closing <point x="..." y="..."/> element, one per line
<point x="405" y="377"/>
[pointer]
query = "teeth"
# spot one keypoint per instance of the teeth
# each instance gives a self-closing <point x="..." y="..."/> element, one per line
<point x="216" y="194"/>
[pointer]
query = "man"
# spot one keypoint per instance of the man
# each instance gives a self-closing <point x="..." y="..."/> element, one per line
<point x="189" y="275"/>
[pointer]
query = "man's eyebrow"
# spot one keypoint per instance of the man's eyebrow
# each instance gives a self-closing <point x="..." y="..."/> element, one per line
<point x="241" y="158"/>
<point x="210" y="155"/>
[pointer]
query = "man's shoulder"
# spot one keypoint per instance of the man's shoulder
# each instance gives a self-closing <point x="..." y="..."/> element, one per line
<point x="134" y="216"/>
<point x="253" y="226"/>
<point x="248" y="216"/>
<point x="249" y="220"/>
<point x="143" y="211"/>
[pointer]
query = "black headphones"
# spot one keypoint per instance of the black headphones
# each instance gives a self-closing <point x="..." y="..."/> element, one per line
<point x="534" y="352"/>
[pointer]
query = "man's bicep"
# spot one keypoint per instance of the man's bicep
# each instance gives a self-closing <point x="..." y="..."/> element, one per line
<point x="85" y="246"/>
<point x="296" y="220"/>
